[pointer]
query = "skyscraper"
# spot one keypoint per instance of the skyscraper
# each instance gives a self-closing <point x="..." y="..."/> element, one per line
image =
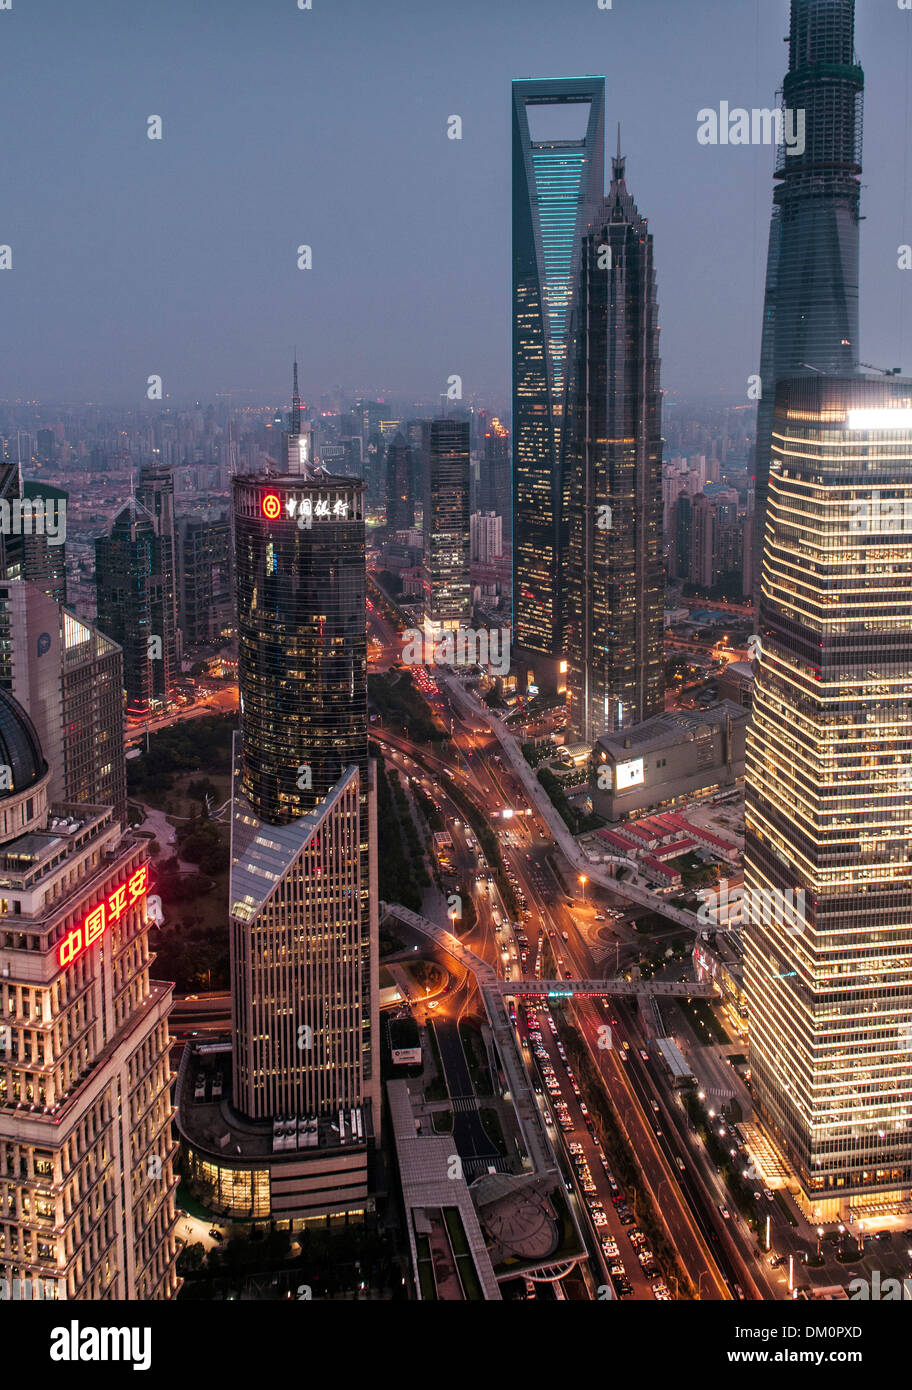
<point x="135" y="582"/>
<point x="400" y="502"/>
<point x="69" y="677"/>
<point x="445" y="572"/>
<point x="716" y="540"/>
<point x="829" y="793"/>
<point x="558" y="180"/>
<point x="205" y="595"/>
<point x="810" y="312"/>
<point x="33" y="531"/>
<point x="155" y="492"/>
<point x="494" y="493"/>
<point x="87" y="1178"/>
<point x="613" y="579"/>
<point x="297" y="438"/>
<point x="303" y="902"/>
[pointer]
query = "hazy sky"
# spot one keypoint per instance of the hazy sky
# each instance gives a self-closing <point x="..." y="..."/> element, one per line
<point x="328" y="127"/>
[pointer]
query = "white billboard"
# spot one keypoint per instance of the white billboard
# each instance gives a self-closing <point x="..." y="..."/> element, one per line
<point x="629" y="774"/>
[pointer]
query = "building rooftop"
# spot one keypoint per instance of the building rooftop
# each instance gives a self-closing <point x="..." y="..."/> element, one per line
<point x="208" y="1121"/>
<point x="668" y="730"/>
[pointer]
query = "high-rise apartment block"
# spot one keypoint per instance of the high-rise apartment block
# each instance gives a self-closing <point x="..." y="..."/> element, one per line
<point x="205" y="593"/>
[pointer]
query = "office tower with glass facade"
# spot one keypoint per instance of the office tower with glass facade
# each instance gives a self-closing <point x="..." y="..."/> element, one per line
<point x="613" y="579"/>
<point x="810" y="312"/>
<point x="302" y="896"/>
<point x="87" y="1181"/>
<point x="558" y="181"/>
<point x="69" y="677"/>
<point x="134" y="581"/>
<point x="828" y="961"/>
<point x="445" y="567"/>
<point x="400" y="501"/>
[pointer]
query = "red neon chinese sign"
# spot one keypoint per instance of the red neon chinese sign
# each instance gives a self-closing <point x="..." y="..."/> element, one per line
<point x="102" y="915"/>
<point x="272" y="505"/>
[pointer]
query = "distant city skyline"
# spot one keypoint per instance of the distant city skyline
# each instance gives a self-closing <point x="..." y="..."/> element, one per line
<point x="133" y="257"/>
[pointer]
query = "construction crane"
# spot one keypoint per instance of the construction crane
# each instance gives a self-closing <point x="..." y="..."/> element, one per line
<point x="884" y="371"/>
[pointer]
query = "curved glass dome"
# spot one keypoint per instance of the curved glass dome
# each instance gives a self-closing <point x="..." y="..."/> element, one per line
<point x="20" y="749"/>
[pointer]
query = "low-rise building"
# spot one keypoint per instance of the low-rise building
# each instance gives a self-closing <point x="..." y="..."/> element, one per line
<point x="665" y="760"/>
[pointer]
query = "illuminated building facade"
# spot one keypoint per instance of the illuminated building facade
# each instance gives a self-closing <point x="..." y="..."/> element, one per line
<point x="558" y="180"/>
<point x="494" y="493"/>
<point x="613" y="576"/>
<point x="810" y="311"/>
<point x="828" y="970"/>
<point x="304" y="1078"/>
<point x="86" y="1155"/>
<point x="302" y="641"/>
<point x="445" y="566"/>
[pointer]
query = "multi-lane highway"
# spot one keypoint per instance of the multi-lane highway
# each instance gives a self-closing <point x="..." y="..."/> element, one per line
<point x="717" y="1250"/>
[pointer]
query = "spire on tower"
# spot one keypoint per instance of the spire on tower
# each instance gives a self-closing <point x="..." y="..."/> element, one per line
<point x="295" y="400"/>
<point x="619" y="162"/>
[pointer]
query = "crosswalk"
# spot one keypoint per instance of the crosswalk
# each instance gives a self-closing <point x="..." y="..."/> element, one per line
<point x="465" y="1103"/>
<point x="474" y="1167"/>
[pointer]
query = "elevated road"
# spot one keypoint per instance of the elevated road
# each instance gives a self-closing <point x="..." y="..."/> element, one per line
<point x="542" y="802"/>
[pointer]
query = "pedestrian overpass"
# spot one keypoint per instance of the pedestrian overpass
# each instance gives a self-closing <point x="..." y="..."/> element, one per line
<point x="573" y="989"/>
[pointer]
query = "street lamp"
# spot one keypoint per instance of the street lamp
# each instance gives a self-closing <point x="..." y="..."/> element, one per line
<point x="819" y="1239"/>
<point x="583" y="881"/>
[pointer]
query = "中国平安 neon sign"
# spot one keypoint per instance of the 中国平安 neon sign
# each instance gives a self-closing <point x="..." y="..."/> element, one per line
<point x="102" y="915"/>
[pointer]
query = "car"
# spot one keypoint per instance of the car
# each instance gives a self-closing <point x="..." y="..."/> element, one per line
<point x="770" y="1196"/>
<point x="645" y="1056"/>
<point x="599" y="1218"/>
<point x="654" y="1106"/>
<point x="724" y="1211"/>
<point x="216" y="1235"/>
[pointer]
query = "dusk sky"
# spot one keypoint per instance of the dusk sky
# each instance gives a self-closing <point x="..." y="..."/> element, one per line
<point x="329" y="127"/>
